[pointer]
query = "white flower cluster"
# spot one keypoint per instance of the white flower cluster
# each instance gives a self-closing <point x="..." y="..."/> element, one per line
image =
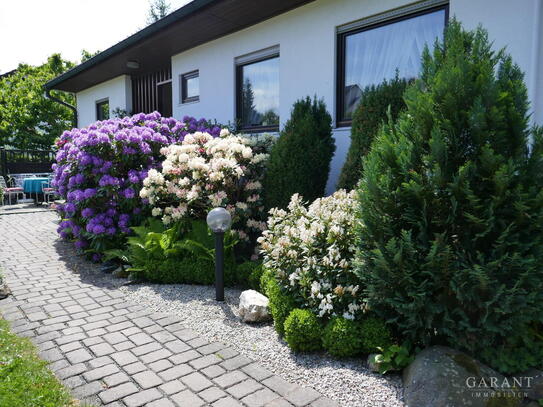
<point x="311" y="251"/>
<point x="205" y="172"/>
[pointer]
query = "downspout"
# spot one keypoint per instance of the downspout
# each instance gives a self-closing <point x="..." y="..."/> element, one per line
<point x="536" y="73"/>
<point x="62" y="102"/>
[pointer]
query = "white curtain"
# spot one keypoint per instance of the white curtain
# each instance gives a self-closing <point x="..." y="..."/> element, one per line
<point x="374" y="55"/>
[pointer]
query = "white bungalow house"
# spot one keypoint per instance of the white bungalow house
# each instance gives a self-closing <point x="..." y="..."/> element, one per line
<point x="248" y="61"/>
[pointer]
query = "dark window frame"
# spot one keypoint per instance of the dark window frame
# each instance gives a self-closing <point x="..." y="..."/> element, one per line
<point x="239" y="85"/>
<point x="341" y="121"/>
<point x="99" y="111"/>
<point x="184" y="78"/>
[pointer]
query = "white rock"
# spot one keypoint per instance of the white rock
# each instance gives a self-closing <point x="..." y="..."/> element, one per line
<point x="253" y="306"/>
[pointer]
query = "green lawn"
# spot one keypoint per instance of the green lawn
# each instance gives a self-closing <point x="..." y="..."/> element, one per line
<point x="25" y="380"/>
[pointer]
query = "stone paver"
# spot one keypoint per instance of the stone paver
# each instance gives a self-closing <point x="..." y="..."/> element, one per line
<point x="114" y="353"/>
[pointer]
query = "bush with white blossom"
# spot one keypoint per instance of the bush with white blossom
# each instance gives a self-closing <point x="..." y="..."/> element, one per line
<point x="311" y="249"/>
<point x="205" y="172"/>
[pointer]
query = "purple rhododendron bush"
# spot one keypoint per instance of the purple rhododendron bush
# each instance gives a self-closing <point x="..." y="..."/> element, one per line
<point x="99" y="172"/>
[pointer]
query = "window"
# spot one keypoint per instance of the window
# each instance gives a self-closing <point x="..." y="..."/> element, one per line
<point x="102" y="109"/>
<point x="367" y="55"/>
<point x="190" y="87"/>
<point x="257" y="101"/>
<point x="164" y="96"/>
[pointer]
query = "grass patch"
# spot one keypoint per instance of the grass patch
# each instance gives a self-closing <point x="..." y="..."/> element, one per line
<point x="25" y="380"/>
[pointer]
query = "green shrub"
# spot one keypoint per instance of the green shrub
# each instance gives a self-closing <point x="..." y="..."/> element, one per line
<point x="248" y="274"/>
<point x="182" y="254"/>
<point x="374" y="334"/>
<point x="303" y="331"/>
<point x="452" y="247"/>
<point x="280" y="303"/>
<point x="393" y="358"/>
<point x="264" y="280"/>
<point x="300" y="159"/>
<point x="341" y="337"/>
<point x="368" y="117"/>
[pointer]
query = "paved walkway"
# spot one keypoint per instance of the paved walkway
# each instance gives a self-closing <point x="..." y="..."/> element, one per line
<point x="114" y="353"/>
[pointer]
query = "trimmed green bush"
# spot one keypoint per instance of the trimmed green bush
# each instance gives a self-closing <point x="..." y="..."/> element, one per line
<point x="376" y="102"/>
<point x="303" y="331"/>
<point x="300" y="159"/>
<point x="451" y="200"/>
<point x="280" y="303"/>
<point x="186" y="270"/>
<point x="342" y="338"/>
<point x="374" y="334"/>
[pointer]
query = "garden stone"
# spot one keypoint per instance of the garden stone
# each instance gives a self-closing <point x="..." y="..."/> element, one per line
<point x="120" y="272"/>
<point x="443" y="377"/>
<point x="253" y="306"/>
<point x="4" y="290"/>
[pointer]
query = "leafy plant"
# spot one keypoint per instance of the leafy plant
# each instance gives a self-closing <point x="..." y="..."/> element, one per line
<point x="300" y="159"/>
<point x="392" y="358"/>
<point x="376" y="103"/>
<point x="451" y="203"/>
<point x="280" y="303"/>
<point x="183" y="253"/>
<point x="374" y="334"/>
<point x="341" y="337"/>
<point x="303" y="331"/>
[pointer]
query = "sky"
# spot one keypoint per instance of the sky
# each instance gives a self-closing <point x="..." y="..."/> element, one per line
<point x="31" y="30"/>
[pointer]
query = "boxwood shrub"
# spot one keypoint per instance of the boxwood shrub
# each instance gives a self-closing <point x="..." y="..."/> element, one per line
<point x="303" y="331"/>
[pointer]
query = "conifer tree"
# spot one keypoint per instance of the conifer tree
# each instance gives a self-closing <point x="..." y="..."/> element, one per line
<point x="368" y="117"/>
<point x="300" y="159"/>
<point x="451" y="251"/>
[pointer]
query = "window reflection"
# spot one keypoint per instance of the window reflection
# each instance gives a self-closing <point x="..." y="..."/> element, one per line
<point x="375" y="54"/>
<point x="258" y="94"/>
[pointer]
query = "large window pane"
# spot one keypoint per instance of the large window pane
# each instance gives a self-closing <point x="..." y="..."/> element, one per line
<point x="377" y="53"/>
<point x="258" y="94"/>
<point x="102" y="110"/>
<point x="190" y="87"/>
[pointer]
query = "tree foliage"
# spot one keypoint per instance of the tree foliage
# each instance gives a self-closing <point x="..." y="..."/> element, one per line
<point x="451" y="200"/>
<point x="300" y="159"/>
<point x="86" y="55"/>
<point x="157" y="9"/>
<point x="28" y="119"/>
<point x="371" y="112"/>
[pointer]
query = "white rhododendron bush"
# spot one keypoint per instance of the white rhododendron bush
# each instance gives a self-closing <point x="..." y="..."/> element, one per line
<point x="311" y="251"/>
<point x="204" y="172"/>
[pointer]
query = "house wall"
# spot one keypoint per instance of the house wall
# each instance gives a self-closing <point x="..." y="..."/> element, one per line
<point x="118" y="90"/>
<point x="307" y="40"/>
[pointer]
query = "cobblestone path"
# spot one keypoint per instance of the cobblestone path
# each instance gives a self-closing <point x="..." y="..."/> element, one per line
<point x="113" y="353"/>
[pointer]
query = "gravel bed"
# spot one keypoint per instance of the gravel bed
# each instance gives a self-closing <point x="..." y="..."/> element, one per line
<point x="346" y="381"/>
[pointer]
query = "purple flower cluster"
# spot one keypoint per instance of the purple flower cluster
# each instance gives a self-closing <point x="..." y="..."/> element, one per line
<point x="99" y="171"/>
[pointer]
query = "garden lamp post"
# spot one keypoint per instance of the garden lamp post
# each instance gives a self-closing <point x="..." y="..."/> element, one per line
<point x="219" y="221"/>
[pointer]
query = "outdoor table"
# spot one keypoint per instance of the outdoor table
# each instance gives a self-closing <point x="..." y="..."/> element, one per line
<point x="34" y="185"/>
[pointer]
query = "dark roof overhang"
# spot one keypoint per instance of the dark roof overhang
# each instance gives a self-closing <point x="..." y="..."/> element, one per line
<point x="194" y="24"/>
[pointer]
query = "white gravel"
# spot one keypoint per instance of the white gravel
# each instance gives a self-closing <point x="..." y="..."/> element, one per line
<point x="346" y="381"/>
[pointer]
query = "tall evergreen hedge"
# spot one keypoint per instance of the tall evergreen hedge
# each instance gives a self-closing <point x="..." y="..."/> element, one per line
<point x="300" y="159"/>
<point x="376" y="102"/>
<point x="451" y="199"/>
